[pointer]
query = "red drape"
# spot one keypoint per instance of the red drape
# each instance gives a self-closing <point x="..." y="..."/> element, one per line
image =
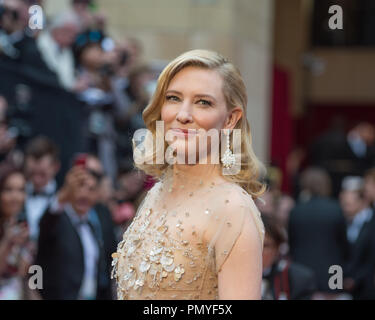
<point x="281" y="125"/>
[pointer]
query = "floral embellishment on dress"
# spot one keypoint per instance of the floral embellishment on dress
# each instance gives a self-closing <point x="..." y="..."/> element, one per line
<point x="165" y="253"/>
<point x="178" y="272"/>
<point x="144" y="266"/>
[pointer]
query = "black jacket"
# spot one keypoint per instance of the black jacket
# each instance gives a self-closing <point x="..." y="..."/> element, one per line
<point x="60" y="254"/>
<point x="361" y="264"/>
<point x="297" y="281"/>
<point x="317" y="238"/>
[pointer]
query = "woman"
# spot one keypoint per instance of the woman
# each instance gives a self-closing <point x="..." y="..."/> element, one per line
<point x="197" y="234"/>
<point x="14" y="257"/>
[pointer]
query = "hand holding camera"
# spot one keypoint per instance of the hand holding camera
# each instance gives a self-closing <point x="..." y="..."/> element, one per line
<point x="73" y="180"/>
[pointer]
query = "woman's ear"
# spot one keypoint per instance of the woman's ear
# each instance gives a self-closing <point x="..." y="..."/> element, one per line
<point x="233" y="116"/>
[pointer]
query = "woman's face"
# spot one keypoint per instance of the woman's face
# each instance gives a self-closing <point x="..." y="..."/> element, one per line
<point x="13" y="195"/>
<point x="194" y="100"/>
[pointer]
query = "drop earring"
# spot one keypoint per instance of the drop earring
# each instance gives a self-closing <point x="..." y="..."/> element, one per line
<point x="228" y="159"/>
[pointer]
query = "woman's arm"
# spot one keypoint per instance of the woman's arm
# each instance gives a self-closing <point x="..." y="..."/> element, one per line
<point x="240" y="277"/>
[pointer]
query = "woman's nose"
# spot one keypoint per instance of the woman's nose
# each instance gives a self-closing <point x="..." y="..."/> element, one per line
<point x="184" y="114"/>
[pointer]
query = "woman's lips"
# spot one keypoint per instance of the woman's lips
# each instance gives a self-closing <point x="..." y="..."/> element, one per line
<point x="184" y="132"/>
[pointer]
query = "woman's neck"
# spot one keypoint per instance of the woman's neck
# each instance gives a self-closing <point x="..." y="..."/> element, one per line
<point x="185" y="176"/>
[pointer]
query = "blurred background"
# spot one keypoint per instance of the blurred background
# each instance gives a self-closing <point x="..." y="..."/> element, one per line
<point x="76" y="90"/>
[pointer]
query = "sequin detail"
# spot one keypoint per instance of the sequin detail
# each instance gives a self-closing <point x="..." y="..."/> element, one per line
<point x="164" y="253"/>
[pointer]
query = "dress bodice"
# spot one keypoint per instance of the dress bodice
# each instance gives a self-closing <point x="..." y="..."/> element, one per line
<point x="176" y="252"/>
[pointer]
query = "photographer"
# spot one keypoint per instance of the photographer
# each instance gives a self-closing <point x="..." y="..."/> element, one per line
<point x="138" y="93"/>
<point x="76" y="240"/>
<point x="98" y="67"/>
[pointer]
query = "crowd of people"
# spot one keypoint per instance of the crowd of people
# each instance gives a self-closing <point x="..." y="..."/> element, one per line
<point x="320" y="243"/>
<point x="71" y="228"/>
<point x="74" y="53"/>
<point x="68" y="226"/>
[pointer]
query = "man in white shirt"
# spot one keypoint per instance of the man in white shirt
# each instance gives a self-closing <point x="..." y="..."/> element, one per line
<point x="76" y="241"/>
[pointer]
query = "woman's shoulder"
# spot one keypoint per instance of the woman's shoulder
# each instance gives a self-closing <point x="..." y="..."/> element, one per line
<point x="236" y="209"/>
<point x="239" y="206"/>
<point x="235" y="197"/>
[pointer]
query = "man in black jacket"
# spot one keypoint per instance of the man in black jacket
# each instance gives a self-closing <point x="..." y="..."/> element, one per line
<point x="359" y="281"/>
<point x="283" y="279"/>
<point x="76" y="241"/>
<point x="317" y="229"/>
<point x="357" y="200"/>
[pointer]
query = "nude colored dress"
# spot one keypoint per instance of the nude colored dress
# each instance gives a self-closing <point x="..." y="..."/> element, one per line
<point x="176" y="252"/>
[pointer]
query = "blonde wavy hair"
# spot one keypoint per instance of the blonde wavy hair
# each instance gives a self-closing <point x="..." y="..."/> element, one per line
<point x="235" y="95"/>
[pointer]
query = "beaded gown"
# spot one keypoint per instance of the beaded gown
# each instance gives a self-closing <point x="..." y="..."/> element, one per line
<point x="175" y="249"/>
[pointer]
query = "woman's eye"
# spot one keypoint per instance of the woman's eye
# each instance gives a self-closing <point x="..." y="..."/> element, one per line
<point x="172" y="98"/>
<point x="204" y="102"/>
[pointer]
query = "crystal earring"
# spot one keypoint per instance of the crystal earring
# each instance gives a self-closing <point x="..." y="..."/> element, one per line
<point x="228" y="159"/>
